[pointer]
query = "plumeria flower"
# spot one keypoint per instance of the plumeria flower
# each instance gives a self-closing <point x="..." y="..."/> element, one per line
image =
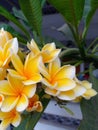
<point x="59" y="80"/>
<point x="6" y="52"/>
<point x="34" y="104"/>
<point x="29" y="71"/>
<point x="48" y="52"/>
<point x="16" y="94"/>
<point x="86" y="90"/>
<point x="90" y="92"/>
<point x="7" y="118"/>
<point x="4" y="37"/>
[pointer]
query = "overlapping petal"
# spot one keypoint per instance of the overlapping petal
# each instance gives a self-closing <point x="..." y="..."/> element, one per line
<point x="9" y="103"/>
<point x="66" y="71"/>
<point x="29" y="90"/>
<point x="12" y="117"/>
<point x="33" y="47"/>
<point x="16" y="120"/>
<point x="52" y="92"/>
<point x="50" y="56"/>
<point x="65" y="84"/>
<point x="48" y="52"/>
<point x="89" y="93"/>
<point x="33" y="80"/>
<point x="54" y="66"/>
<point x="22" y="103"/>
<point x="67" y="95"/>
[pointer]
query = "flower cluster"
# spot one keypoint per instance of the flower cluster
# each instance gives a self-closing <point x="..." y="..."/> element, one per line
<point x="19" y="79"/>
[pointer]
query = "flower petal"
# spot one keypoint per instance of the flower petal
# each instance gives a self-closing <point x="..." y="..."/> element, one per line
<point x="52" y="92"/>
<point x="22" y="103"/>
<point x="16" y="120"/>
<point x="15" y="83"/>
<point x="9" y="103"/>
<point x="89" y="93"/>
<point x="47" y="83"/>
<point x="17" y="63"/>
<point x="66" y="71"/>
<point x="33" y="47"/>
<point x="34" y="79"/>
<point x="43" y="70"/>
<point x="49" y="46"/>
<point x="79" y="90"/>
<point x="5" y="123"/>
<point x="5" y="88"/>
<point x="15" y="74"/>
<point x="30" y="90"/>
<point x="65" y="84"/>
<point x="32" y="65"/>
<point x="54" y="67"/>
<point x="50" y="56"/>
<point x="67" y="95"/>
<point x="86" y="84"/>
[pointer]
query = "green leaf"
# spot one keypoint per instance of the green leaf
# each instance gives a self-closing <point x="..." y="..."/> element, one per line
<point x="90" y="108"/>
<point x="90" y="9"/>
<point x="19" y="14"/>
<point x="72" y="10"/>
<point x="42" y="2"/>
<point x="33" y="13"/>
<point x="10" y="17"/>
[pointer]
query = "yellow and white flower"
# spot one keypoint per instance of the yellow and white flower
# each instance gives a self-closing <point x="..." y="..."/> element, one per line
<point x="48" y="52"/>
<point x="7" y="118"/>
<point x="29" y="71"/>
<point x="59" y="80"/>
<point x="16" y="94"/>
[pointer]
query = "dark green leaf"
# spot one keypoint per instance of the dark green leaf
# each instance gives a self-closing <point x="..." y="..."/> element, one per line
<point x="33" y="13"/>
<point x="10" y="17"/>
<point x="90" y="108"/>
<point x="90" y="10"/>
<point x="72" y="10"/>
<point x="42" y="2"/>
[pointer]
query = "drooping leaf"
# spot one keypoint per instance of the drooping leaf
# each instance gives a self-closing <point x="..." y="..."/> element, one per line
<point x="72" y="10"/>
<point x="42" y="2"/>
<point x="90" y="108"/>
<point x="19" y="14"/>
<point x="11" y="18"/>
<point x="33" y="13"/>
